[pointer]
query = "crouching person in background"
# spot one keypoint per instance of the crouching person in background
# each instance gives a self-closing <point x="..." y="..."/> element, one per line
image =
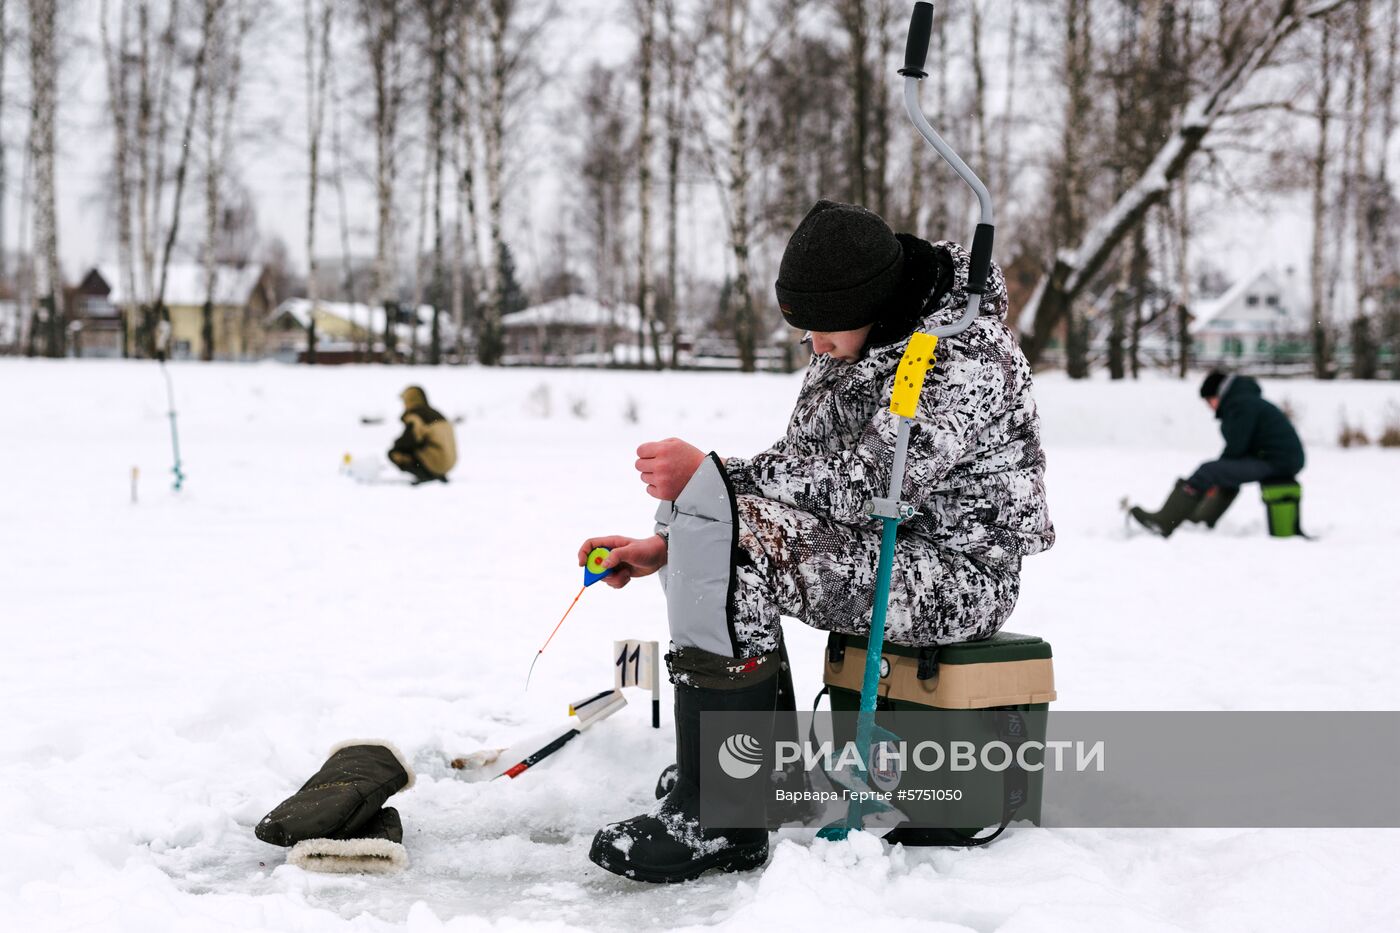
<point x="427" y="448"/>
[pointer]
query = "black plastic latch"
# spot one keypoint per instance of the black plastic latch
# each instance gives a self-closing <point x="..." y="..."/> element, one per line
<point x="928" y="663"/>
<point x="836" y="648"/>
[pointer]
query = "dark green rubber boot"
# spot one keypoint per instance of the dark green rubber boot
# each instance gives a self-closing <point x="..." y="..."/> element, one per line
<point x="1213" y="505"/>
<point x="1181" y="503"/>
<point x="669" y="844"/>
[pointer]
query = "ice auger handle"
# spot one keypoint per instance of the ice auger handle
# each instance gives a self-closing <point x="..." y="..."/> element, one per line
<point x="981" y="261"/>
<point x="916" y="46"/>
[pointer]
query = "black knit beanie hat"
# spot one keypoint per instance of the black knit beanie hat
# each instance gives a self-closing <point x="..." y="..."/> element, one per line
<point x="1210" y="386"/>
<point x="841" y="266"/>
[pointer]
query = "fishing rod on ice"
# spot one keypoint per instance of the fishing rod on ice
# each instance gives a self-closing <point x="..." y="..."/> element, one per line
<point x="593" y="571"/>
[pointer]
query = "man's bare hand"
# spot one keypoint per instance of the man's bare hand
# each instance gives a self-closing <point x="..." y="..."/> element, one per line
<point x="627" y="557"/>
<point x="666" y="466"/>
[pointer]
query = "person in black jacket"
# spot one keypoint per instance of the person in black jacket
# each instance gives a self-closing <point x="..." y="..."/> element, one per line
<point x="1260" y="446"/>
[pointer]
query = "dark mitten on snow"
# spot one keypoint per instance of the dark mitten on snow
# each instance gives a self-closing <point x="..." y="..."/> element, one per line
<point x="383" y="825"/>
<point x="341" y="800"/>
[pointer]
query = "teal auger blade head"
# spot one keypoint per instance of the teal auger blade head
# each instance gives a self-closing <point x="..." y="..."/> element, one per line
<point x="593" y="569"/>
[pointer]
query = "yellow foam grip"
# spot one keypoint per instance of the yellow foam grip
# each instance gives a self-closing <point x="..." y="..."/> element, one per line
<point x="909" y="377"/>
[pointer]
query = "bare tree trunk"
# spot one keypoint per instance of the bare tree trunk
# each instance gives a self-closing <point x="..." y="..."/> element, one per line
<point x="119" y="102"/>
<point x="1321" y="331"/>
<point x="463" y="154"/>
<point x="979" y="83"/>
<point x="1137" y="274"/>
<point x="1008" y="109"/>
<point x="164" y="78"/>
<point x="382" y="21"/>
<point x="4" y="49"/>
<point x="1183" y="271"/>
<point x="420" y="247"/>
<point x="737" y="75"/>
<point x="881" y="109"/>
<point x="1070" y="190"/>
<point x="318" y="60"/>
<point x="646" y="297"/>
<point x="853" y="20"/>
<point x="471" y="117"/>
<point x="489" y="345"/>
<point x="1073" y="269"/>
<point x="1363" y="366"/>
<point x="438" y="15"/>
<point x="212" y="171"/>
<point x="25" y="271"/>
<point x="211" y="10"/>
<point x="43" y="75"/>
<point x="677" y="91"/>
<point x="363" y="337"/>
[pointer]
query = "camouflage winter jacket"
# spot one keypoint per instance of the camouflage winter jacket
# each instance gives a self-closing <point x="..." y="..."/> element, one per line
<point x="975" y="470"/>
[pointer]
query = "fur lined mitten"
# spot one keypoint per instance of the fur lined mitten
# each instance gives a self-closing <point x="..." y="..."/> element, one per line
<point x="337" y="821"/>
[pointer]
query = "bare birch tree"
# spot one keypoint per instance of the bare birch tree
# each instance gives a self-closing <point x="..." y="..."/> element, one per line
<point x="316" y="25"/>
<point x="645" y="12"/>
<point x="116" y="59"/>
<point x="437" y="19"/>
<point x="221" y="105"/>
<point x="4" y="192"/>
<point x="679" y="64"/>
<point x="1321" y="317"/>
<point x="382" y="21"/>
<point x="43" y="82"/>
<point x="465" y="133"/>
<point x="207" y="36"/>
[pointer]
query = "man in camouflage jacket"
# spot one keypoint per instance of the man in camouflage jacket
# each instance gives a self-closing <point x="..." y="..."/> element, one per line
<point x="742" y="541"/>
<point x="806" y="544"/>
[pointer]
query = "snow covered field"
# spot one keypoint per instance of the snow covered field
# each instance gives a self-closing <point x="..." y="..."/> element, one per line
<point x="173" y="669"/>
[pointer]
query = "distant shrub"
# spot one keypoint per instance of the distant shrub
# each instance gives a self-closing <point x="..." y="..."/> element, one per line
<point x="1390" y="427"/>
<point x="1351" y="435"/>
<point x="538" y="401"/>
<point x="578" y="407"/>
<point x="631" y="412"/>
<point x="1291" y="409"/>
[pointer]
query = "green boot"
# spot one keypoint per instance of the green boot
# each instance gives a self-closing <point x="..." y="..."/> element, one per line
<point x="1181" y="503"/>
<point x="1213" y="505"/>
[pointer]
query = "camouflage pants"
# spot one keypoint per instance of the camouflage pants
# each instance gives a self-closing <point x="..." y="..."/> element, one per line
<point x="792" y="563"/>
<point x="737" y="564"/>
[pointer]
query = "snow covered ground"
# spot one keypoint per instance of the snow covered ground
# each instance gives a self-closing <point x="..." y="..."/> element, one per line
<point x="174" y="668"/>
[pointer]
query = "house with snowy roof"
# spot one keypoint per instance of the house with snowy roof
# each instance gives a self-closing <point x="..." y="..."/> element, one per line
<point x="240" y="297"/>
<point x="346" y="330"/>
<point x="1262" y="318"/>
<point x="574" y="330"/>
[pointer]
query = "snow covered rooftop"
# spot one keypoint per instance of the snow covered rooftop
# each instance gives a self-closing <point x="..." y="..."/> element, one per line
<point x="186" y="284"/>
<point x="356" y="313"/>
<point x="578" y="311"/>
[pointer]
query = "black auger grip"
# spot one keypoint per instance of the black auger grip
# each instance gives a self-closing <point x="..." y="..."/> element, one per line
<point x="916" y="47"/>
<point x="980" y="264"/>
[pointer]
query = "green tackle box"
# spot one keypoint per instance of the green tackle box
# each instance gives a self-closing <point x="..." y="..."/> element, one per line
<point x="1007" y="673"/>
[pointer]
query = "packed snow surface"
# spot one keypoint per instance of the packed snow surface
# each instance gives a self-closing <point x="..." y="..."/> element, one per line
<point x="175" y="667"/>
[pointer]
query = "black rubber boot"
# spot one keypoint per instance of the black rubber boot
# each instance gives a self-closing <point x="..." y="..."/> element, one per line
<point x="1181" y="503"/>
<point x="1213" y="505"/>
<point x="669" y="844"/>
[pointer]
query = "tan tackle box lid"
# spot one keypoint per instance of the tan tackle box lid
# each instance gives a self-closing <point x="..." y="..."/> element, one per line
<point x="1007" y="669"/>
